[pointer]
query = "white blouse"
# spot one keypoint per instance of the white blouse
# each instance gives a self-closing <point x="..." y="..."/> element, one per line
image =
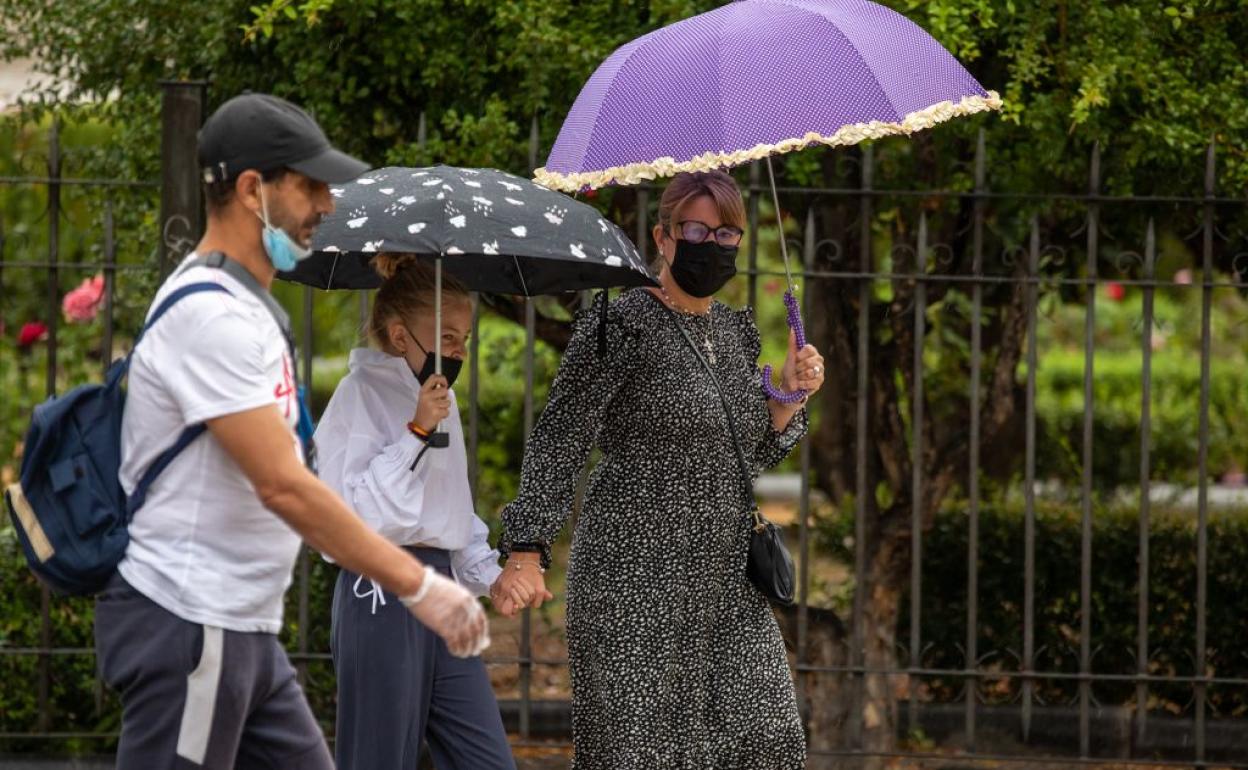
<point x="366" y="453"/>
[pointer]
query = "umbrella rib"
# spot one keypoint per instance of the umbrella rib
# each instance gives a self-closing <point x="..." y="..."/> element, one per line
<point x="857" y="53"/>
<point x="333" y="268"/>
<point x="523" y="286"/>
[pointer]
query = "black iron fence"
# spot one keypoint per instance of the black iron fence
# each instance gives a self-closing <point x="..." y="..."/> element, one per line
<point x="934" y="306"/>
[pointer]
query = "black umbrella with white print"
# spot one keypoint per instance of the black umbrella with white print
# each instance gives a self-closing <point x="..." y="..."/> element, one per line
<point x="493" y="231"/>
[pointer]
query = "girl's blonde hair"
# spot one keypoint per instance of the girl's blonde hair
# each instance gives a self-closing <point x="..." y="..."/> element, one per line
<point x="407" y="288"/>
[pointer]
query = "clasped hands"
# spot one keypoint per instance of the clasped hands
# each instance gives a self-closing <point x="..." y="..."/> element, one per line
<point x="521" y="584"/>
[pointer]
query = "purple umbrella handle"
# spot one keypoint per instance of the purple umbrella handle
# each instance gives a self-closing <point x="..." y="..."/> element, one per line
<point x="799" y="332"/>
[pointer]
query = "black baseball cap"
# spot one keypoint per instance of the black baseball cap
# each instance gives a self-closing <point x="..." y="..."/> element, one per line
<point x="262" y="133"/>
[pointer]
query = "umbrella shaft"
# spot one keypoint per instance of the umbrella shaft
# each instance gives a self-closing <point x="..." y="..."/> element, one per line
<point x="784" y="249"/>
<point x="437" y="317"/>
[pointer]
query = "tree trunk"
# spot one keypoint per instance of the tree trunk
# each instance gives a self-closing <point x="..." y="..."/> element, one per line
<point x="887" y="571"/>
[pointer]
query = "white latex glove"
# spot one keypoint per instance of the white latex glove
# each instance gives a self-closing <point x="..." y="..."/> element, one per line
<point x="451" y="612"/>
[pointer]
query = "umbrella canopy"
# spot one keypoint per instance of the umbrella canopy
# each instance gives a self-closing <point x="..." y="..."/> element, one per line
<point x="494" y="232"/>
<point x="752" y="79"/>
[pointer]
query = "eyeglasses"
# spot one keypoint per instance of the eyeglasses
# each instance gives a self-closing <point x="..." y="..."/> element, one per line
<point x="698" y="232"/>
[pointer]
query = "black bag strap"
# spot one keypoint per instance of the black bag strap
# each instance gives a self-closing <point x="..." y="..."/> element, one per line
<point x="746" y="476"/>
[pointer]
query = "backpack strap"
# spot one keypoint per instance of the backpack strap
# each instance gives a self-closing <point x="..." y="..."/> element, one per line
<point x="174" y="297"/>
<point x="136" y="499"/>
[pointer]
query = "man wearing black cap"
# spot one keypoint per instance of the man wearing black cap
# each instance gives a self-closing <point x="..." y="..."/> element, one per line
<point x="187" y="629"/>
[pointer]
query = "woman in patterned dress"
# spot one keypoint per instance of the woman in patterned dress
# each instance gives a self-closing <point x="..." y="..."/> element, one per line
<point x="676" y="659"/>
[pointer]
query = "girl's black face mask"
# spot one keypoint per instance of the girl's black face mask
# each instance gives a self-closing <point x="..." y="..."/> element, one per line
<point x="450" y="366"/>
<point x="701" y="269"/>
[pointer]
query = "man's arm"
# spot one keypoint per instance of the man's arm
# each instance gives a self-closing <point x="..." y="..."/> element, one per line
<point x="260" y="442"/>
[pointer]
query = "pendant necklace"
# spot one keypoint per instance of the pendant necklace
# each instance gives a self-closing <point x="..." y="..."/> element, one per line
<point x="708" y="341"/>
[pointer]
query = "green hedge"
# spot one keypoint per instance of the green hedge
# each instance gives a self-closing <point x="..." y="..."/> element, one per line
<point x="1115" y="546"/>
<point x="1116" y="417"/>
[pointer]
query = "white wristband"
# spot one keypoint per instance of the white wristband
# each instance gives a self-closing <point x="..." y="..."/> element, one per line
<point x="425" y="584"/>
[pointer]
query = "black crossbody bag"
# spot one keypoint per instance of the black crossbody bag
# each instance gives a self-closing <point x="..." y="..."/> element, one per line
<point x="769" y="565"/>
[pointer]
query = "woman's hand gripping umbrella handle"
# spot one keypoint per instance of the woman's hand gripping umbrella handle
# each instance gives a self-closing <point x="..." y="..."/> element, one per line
<point x="799" y="332"/>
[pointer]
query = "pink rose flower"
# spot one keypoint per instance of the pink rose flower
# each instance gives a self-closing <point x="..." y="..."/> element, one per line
<point x="32" y="332"/>
<point x="83" y="303"/>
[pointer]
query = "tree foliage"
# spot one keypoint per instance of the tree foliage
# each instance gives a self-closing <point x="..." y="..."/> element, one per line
<point x="1152" y="82"/>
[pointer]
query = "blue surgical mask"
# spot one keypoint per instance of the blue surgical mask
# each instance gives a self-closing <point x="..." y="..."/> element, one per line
<point x="283" y="251"/>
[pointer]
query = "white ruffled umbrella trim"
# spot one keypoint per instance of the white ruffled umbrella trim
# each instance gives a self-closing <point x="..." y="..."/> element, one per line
<point x="634" y="173"/>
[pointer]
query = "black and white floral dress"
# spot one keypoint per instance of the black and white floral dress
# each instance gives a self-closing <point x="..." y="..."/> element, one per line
<point x="676" y="659"/>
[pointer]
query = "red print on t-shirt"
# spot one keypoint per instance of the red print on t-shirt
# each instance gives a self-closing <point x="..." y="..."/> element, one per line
<point x="285" y="390"/>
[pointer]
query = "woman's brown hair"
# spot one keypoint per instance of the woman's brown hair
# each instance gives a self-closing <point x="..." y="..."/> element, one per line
<point x="716" y="185"/>
<point x="407" y="288"/>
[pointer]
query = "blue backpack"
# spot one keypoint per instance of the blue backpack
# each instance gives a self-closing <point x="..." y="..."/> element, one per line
<point x="68" y="506"/>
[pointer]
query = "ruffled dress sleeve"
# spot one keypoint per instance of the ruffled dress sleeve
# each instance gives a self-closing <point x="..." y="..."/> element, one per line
<point x="600" y="357"/>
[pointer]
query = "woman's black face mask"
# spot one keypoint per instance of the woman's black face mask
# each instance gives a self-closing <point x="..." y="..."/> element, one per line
<point x="701" y="269"/>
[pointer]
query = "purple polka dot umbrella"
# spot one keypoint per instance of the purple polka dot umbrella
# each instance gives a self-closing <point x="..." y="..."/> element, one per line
<point x="752" y="79"/>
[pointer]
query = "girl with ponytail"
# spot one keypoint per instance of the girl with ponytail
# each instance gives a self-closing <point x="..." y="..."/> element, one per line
<point x="398" y="685"/>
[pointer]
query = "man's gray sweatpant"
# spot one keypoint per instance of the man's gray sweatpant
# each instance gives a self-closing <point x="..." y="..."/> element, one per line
<point x="197" y="696"/>
<point x="398" y="685"/>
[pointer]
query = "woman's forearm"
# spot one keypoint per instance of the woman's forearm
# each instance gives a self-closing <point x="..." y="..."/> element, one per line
<point x="782" y="414"/>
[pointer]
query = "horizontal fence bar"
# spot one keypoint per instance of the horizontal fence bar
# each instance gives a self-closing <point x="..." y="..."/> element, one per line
<point x="1039" y="759"/>
<point x="803" y="668"/>
<point x="1038" y="674"/>
<point x="847" y="274"/>
<point x="850" y="274"/>
<point x="84" y="182"/>
<point x="856" y="192"/>
<point x="849" y="192"/>
<point x="1004" y="279"/>
<point x="133" y="268"/>
<point x="1044" y="759"/>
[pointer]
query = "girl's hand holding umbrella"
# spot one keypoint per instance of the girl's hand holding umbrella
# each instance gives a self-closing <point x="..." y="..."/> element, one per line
<point x="434" y="405"/>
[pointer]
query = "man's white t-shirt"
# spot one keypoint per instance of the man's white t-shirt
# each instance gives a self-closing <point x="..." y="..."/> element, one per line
<point x="203" y="546"/>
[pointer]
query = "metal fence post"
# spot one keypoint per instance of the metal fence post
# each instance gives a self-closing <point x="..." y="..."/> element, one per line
<point x="1202" y="525"/>
<point x="803" y="506"/>
<point x="972" y="485"/>
<point x="53" y="316"/>
<point x="1029" y="482"/>
<point x="526" y="616"/>
<point x="862" y="483"/>
<point x="916" y="478"/>
<point x="1089" y="400"/>
<point x="1146" y="404"/>
<point x="181" y="210"/>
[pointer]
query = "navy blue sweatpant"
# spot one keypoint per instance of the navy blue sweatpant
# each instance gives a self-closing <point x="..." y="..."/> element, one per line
<point x="197" y="696"/>
<point x="398" y="685"/>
